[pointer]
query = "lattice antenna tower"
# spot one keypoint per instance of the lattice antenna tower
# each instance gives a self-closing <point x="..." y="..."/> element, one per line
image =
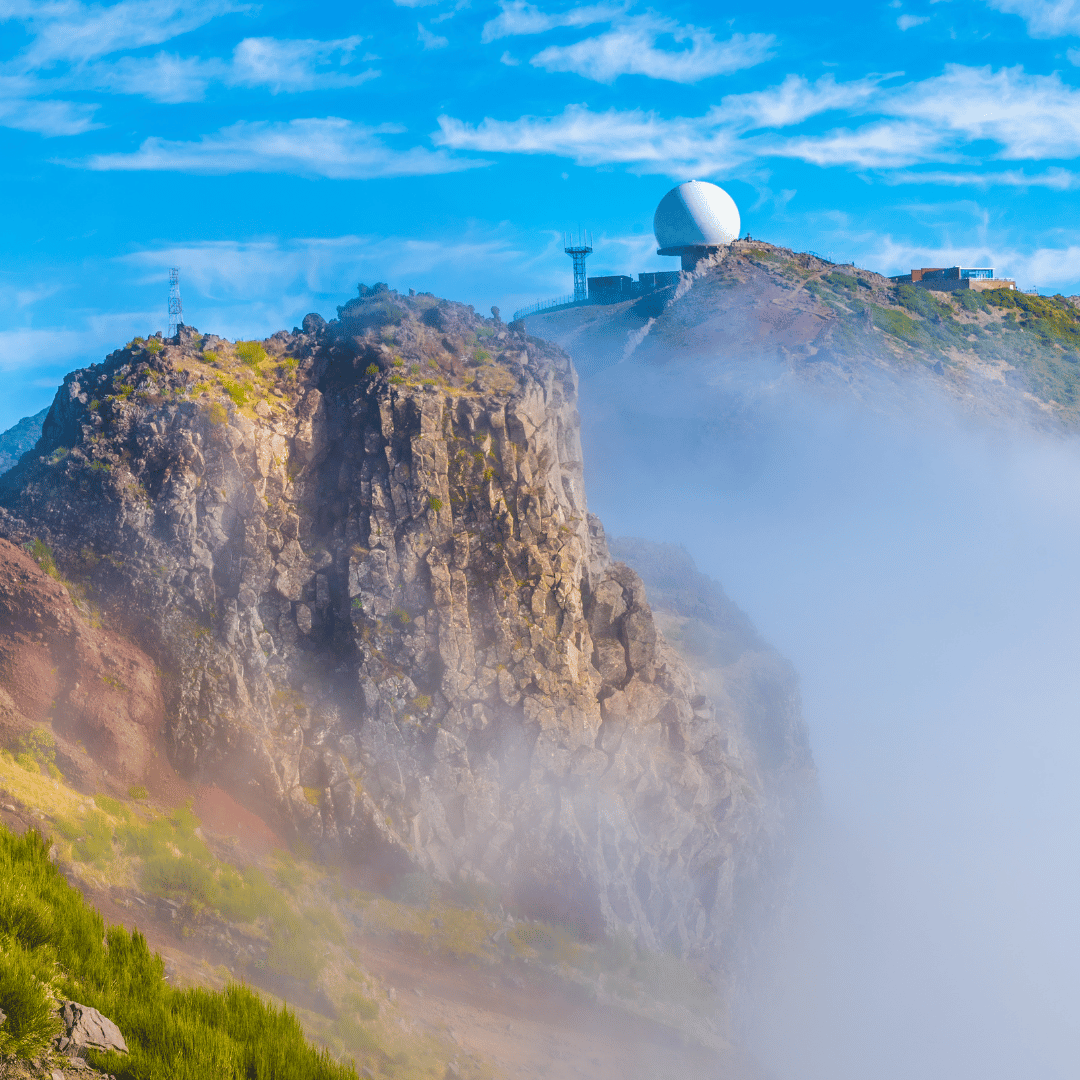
<point x="176" y="306"/>
<point x="579" y="250"/>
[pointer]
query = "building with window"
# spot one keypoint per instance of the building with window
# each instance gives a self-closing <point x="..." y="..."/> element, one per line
<point x="947" y="278"/>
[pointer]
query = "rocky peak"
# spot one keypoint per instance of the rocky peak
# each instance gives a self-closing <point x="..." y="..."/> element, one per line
<point x="361" y="554"/>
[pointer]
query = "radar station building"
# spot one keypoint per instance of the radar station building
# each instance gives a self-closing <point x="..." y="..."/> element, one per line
<point x="693" y="221"/>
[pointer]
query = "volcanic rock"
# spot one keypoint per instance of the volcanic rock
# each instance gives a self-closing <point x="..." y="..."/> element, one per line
<point x="362" y="556"/>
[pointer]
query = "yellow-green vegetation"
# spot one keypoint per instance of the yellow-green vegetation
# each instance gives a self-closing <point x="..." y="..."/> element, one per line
<point x="209" y="357"/>
<point x="237" y="391"/>
<point x="1037" y="335"/>
<point x="53" y="944"/>
<point x="37" y="749"/>
<point x="154" y="346"/>
<point x="251" y="353"/>
<point x="215" y="412"/>
<point x="42" y="554"/>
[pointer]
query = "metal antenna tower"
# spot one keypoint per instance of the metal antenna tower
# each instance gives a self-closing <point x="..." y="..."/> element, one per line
<point x="176" y="306"/>
<point x="578" y="251"/>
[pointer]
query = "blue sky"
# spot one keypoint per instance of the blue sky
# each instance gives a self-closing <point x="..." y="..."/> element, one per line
<point x="279" y="153"/>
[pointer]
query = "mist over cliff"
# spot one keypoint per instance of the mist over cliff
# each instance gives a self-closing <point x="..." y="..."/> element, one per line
<point x="917" y="564"/>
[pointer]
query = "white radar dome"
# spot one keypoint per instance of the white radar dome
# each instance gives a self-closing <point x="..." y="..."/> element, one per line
<point x="695" y="214"/>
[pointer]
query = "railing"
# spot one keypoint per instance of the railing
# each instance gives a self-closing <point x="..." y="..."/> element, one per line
<point x="823" y="258"/>
<point x="542" y="305"/>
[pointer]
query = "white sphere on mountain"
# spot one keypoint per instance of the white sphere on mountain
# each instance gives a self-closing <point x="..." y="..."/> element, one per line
<point x="694" y="215"/>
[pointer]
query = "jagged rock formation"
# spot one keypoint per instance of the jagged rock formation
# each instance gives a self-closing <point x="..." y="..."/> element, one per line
<point x="19" y="438"/>
<point x="362" y="556"/>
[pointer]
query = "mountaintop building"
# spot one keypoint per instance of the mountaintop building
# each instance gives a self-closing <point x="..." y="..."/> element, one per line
<point x="947" y="278"/>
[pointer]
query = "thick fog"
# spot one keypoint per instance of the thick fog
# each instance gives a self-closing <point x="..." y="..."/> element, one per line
<point x="922" y="572"/>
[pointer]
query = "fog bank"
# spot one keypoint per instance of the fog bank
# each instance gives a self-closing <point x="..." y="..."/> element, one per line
<point x="921" y="572"/>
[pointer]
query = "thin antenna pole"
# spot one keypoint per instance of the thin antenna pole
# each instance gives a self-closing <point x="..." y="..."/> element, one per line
<point x="176" y="306"/>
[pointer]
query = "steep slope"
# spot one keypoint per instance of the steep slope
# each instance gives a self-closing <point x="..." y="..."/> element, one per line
<point x="362" y="556"/>
<point x="19" y="438"/>
<point x="995" y="353"/>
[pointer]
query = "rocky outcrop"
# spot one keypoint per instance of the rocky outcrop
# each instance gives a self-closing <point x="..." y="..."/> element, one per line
<point x="19" y="438"/>
<point x="87" y="1029"/>
<point x="362" y="556"/>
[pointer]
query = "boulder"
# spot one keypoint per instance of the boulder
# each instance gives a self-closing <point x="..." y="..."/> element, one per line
<point x="86" y="1029"/>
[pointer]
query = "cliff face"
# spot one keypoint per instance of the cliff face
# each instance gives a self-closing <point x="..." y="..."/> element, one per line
<point x="19" y="438"/>
<point x="361" y="554"/>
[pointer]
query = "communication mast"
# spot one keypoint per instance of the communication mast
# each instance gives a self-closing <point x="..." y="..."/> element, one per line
<point x="579" y="251"/>
<point x="176" y="307"/>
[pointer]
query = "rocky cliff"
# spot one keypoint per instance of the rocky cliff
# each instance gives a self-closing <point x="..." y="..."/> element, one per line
<point x="19" y="438"/>
<point x="361" y="555"/>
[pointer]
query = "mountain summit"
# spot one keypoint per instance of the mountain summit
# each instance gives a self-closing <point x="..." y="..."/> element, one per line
<point x="361" y="555"/>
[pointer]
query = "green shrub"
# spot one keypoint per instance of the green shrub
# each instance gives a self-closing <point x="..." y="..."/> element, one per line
<point x="372" y="369"/>
<point x="209" y="356"/>
<point x="434" y="503"/>
<point x="154" y="346"/>
<point x="216" y="413"/>
<point x="397" y="380"/>
<point x="39" y="746"/>
<point x="251" y="353"/>
<point x="50" y="937"/>
<point x="109" y="805"/>
<point x="138" y="792"/>
<point x="24" y="978"/>
<point x="28" y="762"/>
<point x="100" y="466"/>
<point x="236" y="390"/>
<point x="42" y="554"/>
<point x="95" y="846"/>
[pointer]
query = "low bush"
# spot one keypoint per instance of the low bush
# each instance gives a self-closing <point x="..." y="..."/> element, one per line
<point x="251" y="353"/>
<point x="52" y="943"/>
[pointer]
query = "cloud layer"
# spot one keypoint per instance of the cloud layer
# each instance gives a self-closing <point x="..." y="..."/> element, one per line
<point x="328" y="147"/>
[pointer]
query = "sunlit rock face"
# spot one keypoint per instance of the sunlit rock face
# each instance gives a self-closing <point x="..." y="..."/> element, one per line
<point x="362" y="556"/>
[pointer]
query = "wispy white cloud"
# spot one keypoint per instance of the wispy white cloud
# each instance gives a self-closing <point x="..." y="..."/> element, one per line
<point x="1074" y="56"/>
<point x="68" y="30"/>
<point x="796" y="99"/>
<point x="906" y="22"/>
<point x="287" y="66"/>
<point x="519" y="17"/>
<point x="1028" y="116"/>
<point x="281" y="66"/>
<point x="632" y="137"/>
<point x="1044" y="18"/>
<point x="884" y="145"/>
<point x="428" y="39"/>
<point x="509" y="60"/>
<point x="630" y="48"/>
<point x="1054" y="179"/>
<point x="329" y="147"/>
<point x="25" y="348"/>
<point x="49" y="118"/>
<point x="941" y="119"/>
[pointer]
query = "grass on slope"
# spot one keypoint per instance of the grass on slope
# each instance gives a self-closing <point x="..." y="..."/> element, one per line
<point x="53" y="944"/>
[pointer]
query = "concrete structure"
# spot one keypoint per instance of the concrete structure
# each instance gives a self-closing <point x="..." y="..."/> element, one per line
<point x="694" y="220"/>
<point x="948" y="278"/>
<point x="610" y="290"/>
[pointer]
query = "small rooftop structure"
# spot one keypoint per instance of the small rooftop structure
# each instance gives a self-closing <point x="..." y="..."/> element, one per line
<point x="947" y="278"/>
<point x="610" y="290"/>
<point x="694" y="220"/>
